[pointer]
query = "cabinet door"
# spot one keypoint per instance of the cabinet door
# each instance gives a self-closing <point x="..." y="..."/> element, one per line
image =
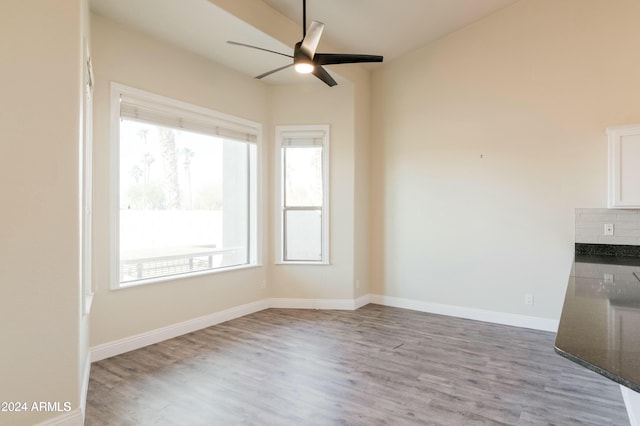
<point x="624" y="166"/>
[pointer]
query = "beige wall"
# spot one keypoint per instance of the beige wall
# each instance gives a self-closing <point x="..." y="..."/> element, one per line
<point x="484" y="143"/>
<point x="131" y="58"/>
<point x="362" y="188"/>
<point x="348" y="111"/>
<point x="128" y="57"/>
<point x="40" y="315"/>
<point x="315" y="104"/>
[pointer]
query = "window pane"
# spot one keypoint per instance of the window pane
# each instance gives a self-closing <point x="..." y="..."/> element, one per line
<point x="303" y="236"/>
<point x="303" y="176"/>
<point x="184" y="201"/>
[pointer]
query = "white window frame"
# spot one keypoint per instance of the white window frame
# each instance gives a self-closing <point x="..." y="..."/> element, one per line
<point x="86" y="183"/>
<point x="208" y="121"/>
<point x="282" y="133"/>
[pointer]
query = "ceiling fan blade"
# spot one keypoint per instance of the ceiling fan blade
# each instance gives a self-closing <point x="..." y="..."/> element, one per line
<point x="259" y="48"/>
<point x="273" y="71"/>
<point x="312" y="38"/>
<point x="343" y="58"/>
<point x="323" y="75"/>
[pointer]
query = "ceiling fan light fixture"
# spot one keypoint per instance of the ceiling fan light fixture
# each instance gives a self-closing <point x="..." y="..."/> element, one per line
<point x="304" y="67"/>
<point x="305" y="58"/>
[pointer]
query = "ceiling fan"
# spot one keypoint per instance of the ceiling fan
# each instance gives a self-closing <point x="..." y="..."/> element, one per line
<point x="305" y="58"/>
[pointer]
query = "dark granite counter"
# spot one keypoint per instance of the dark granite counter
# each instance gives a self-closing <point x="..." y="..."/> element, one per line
<point x="600" y="322"/>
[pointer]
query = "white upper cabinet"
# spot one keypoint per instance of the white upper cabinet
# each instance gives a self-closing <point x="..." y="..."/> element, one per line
<point x="624" y="167"/>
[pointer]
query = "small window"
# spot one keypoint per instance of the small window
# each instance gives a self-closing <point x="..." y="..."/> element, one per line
<point x="303" y="222"/>
<point x="184" y="189"/>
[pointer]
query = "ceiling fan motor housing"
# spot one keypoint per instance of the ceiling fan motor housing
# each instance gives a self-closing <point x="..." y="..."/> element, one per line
<point x="301" y="58"/>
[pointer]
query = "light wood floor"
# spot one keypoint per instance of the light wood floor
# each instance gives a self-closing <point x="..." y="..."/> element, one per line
<point x="377" y="365"/>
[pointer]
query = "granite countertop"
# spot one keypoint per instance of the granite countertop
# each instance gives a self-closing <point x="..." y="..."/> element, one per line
<point x="600" y="322"/>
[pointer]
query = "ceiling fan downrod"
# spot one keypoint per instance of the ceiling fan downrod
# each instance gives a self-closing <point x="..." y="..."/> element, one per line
<point x="304" y="18"/>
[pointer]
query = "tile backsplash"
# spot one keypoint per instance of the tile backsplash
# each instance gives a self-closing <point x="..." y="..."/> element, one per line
<point x="590" y="226"/>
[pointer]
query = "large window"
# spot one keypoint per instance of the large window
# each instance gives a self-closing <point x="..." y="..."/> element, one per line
<point x="303" y="170"/>
<point x="184" y="189"/>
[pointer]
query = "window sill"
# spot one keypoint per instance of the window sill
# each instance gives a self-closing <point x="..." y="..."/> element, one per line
<point x="138" y="283"/>
<point x="302" y="263"/>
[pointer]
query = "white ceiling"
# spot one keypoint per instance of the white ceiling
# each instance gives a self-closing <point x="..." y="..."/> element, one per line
<point x="384" y="27"/>
<point x="379" y="27"/>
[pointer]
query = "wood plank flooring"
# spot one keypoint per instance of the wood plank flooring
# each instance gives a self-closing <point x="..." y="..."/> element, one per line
<point x="374" y="366"/>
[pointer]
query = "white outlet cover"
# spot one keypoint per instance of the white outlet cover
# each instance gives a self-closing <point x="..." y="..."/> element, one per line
<point x="608" y="229"/>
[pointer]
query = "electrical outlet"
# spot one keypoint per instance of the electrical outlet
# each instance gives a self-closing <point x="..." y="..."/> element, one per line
<point x="528" y="299"/>
<point x="357" y="283"/>
<point x="263" y="284"/>
<point x="608" y="229"/>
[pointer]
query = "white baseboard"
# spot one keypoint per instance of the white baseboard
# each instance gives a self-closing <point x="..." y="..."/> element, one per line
<point x="503" y="318"/>
<point x="72" y="418"/>
<point x="632" y="402"/>
<point x="335" y="304"/>
<point x="107" y="350"/>
<point x="138" y="341"/>
<point x="362" y="301"/>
